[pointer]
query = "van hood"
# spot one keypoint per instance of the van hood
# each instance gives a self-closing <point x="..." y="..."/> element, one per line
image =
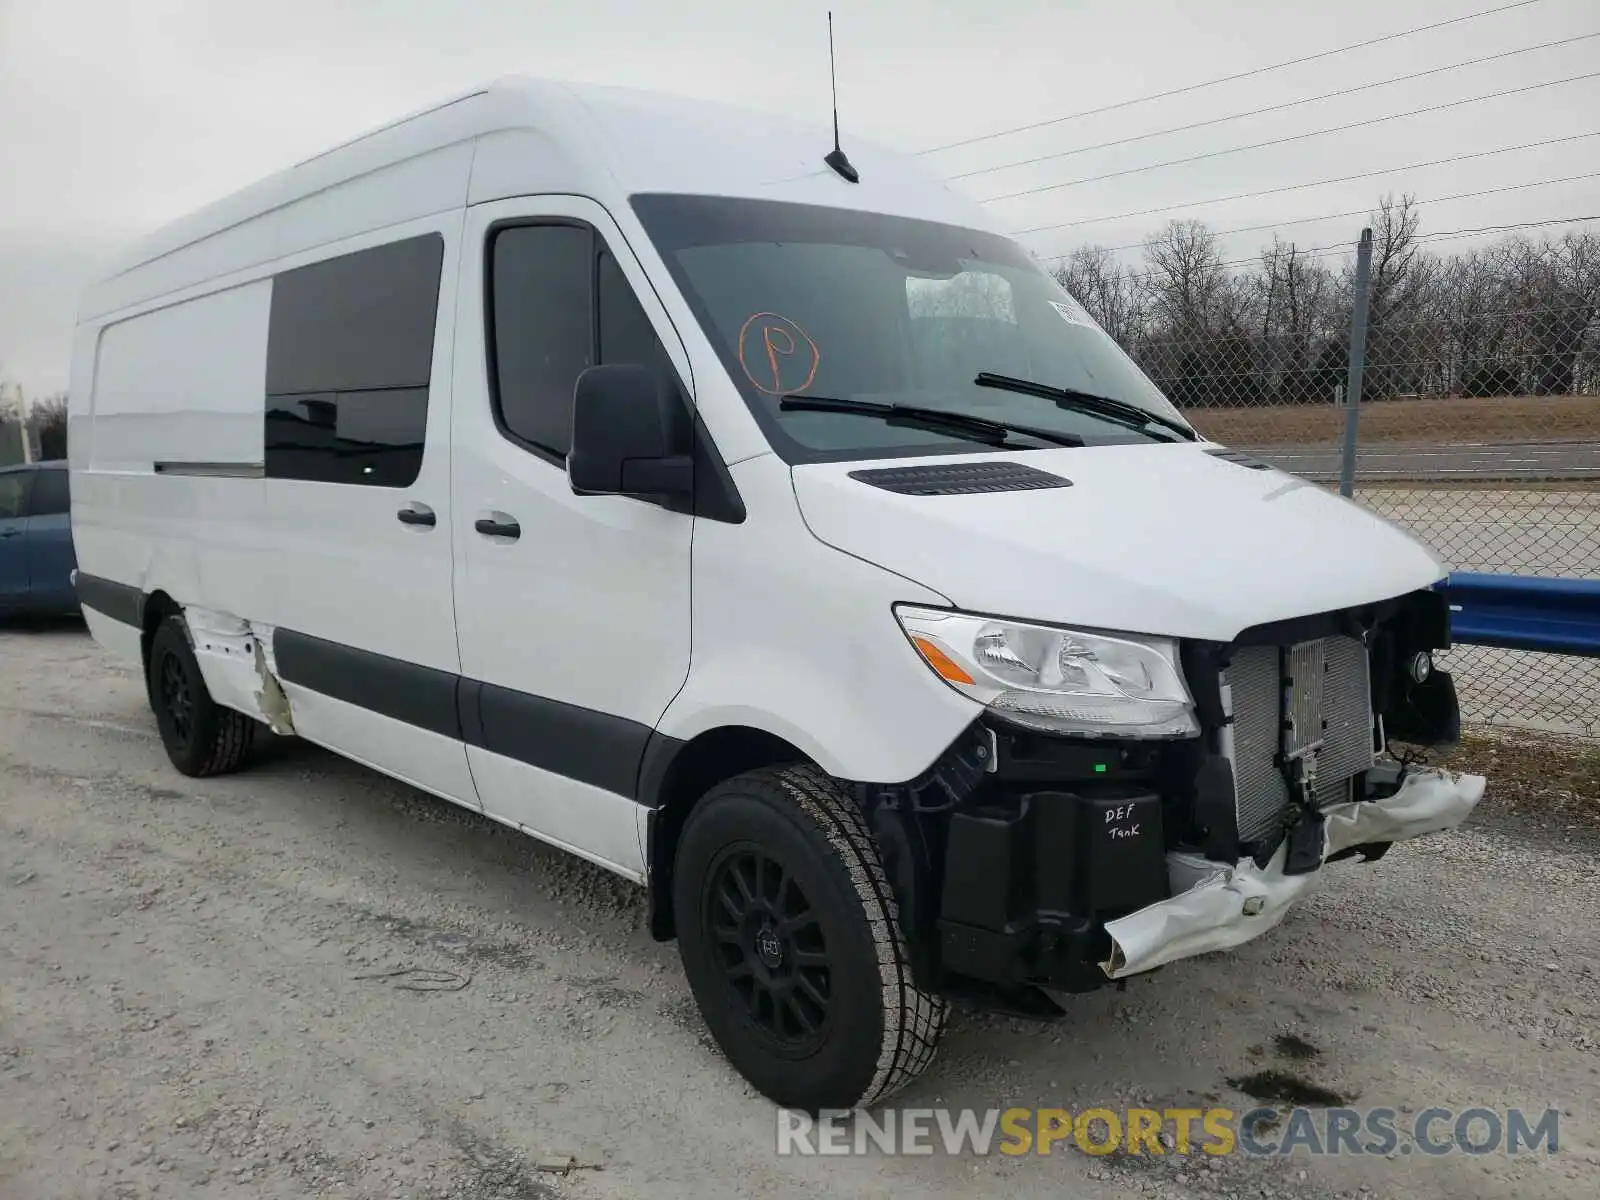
<point x="1164" y="538"/>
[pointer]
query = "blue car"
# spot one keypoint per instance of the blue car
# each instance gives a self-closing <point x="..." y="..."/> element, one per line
<point x="36" y="555"/>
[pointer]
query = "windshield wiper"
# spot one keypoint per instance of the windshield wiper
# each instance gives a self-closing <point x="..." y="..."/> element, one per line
<point x="1100" y="406"/>
<point x="939" y="419"/>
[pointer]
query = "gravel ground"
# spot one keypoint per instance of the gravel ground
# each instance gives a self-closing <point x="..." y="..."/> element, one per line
<point x="307" y="980"/>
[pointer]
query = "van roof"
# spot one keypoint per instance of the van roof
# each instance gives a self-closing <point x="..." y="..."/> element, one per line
<point x="521" y="136"/>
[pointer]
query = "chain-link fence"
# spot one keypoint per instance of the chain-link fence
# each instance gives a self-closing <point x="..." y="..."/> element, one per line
<point x="1478" y="429"/>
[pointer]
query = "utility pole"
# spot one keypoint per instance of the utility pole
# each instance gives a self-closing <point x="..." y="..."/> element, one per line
<point x="22" y="425"/>
<point x="1358" y="362"/>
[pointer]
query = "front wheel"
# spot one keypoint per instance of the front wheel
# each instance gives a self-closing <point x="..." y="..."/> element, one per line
<point x="791" y="941"/>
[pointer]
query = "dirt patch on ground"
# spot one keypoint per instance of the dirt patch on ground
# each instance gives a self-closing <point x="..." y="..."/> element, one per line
<point x="1534" y="777"/>
<point x="1451" y="420"/>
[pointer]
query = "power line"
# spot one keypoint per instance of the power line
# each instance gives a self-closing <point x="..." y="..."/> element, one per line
<point x="1271" y="108"/>
<point x="1461" y="233"/>
<point x="1298" y="187"/>
<point x="1449" y="235"/>
<point x="1361" y="212"/>
<point x="1195" y="87"/>
<point x="1296" y="137"/>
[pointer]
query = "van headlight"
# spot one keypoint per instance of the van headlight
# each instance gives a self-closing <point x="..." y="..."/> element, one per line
<point x="1058" y="680"/>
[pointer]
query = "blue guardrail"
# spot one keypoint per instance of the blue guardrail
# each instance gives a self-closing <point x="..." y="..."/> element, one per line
<point x="1519" y="612"/>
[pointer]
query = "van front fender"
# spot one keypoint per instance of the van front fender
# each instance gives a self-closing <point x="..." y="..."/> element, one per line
<point x="878" y="722"/>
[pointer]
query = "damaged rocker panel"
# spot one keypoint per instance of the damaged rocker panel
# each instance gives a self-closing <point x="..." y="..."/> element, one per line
<point x="236" y="660"/>
<point x="245" y="664"/>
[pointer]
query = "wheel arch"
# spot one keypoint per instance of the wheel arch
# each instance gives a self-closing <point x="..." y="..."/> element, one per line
<point x="674" y="776"/>
<point x="158" y="606"/>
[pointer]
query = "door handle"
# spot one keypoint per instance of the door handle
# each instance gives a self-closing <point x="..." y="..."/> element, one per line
<point x="417" y="514"/>
<point x="10" y="533"/>
<point x="498" y="525"/>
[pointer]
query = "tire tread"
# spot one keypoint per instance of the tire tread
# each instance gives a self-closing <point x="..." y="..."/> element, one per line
<point x="235" y="735"/>
<point x="914" y="1019"/>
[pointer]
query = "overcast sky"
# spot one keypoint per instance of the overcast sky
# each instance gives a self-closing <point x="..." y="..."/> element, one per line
<point x="117" y="116"/>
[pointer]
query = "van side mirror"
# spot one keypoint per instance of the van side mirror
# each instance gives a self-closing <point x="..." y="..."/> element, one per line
<point x="629" y="434"/>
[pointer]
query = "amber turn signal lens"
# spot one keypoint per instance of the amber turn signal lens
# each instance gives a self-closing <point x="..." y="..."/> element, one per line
<point x="941" y="662"/>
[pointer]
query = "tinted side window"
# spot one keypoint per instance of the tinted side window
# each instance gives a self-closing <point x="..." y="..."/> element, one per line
<point x="50" y="493"/>
<point x="372" y="437"/>
<point x="349" y="356"/>
<point x="559" y="303"/>
<point x="14" y="494"/>
<point x="543" y="327"/>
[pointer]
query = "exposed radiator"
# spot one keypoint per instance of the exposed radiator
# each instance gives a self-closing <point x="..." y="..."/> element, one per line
<point x="1284" y="698"/>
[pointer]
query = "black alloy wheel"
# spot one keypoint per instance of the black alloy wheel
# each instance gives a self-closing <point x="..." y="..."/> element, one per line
<point x="791" y="941"/>
<point x="176" y="698"/>
<point x="773" y="951"/>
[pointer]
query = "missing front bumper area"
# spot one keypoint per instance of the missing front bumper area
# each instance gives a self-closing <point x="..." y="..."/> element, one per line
<point x="1218" y="908"/>
<point x="1044" y="897"/>
<point x="1028" y="864"/>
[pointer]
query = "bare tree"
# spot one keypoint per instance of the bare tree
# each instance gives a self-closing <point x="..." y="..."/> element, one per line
<point x="1579" y="257"/>
<point x="1470" y="324"/>
<point x="1401" y="349"/>
<point x="1105" y="289"/>
<point x="1402" y="272"/>
<point x="1199" y="316"/>
<point x="1304" y="288"/>
<point x="1189" y="291"/>
<point x="1554" y="293"/>
<point x="1510" y="316"/>
<point x="1298" y="311"/>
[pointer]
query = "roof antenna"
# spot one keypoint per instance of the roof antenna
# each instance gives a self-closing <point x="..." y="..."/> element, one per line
<point x="835" y="158"/>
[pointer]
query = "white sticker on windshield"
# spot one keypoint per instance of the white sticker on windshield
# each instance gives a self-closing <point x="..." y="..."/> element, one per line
<point x="1071" y="313"/>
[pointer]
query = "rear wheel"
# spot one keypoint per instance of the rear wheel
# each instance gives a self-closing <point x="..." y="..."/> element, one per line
<point x="201" y="737"/>
<point x="791" y="942"/>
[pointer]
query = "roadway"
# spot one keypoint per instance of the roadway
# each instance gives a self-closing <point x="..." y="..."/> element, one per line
<point x="1526" y="461"/>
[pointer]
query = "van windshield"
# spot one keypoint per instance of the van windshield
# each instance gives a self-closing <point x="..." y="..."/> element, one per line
<point x="827" y="303"/>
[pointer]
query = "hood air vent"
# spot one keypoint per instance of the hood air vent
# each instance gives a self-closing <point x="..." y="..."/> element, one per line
<point x="960" y="479"/>
<point x="1241" y="458"/>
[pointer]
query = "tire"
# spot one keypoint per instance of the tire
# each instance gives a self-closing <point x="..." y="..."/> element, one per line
<point x="778" y="889"/>
<point x="201" y="737"/>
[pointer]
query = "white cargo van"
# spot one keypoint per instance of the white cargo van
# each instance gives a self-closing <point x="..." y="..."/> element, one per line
<point x="768" y="531"/>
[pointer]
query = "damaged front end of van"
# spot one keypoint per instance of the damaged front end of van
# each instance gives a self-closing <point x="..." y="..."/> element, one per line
<point x="1032" y="860"/>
